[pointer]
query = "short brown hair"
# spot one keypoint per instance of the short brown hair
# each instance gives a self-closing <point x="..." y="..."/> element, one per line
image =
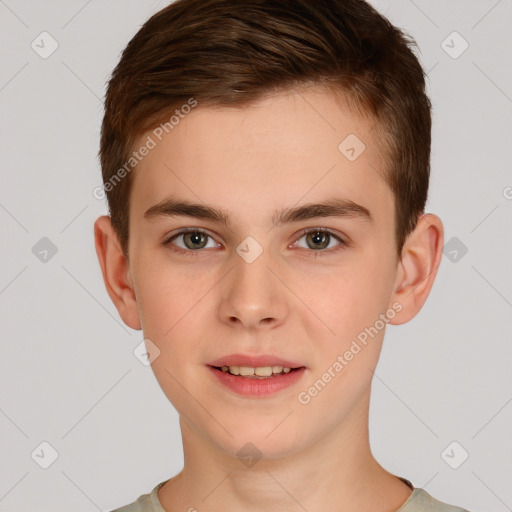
<point x="232" y="53"/>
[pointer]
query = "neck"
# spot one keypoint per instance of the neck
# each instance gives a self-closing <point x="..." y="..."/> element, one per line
<point x="337" y="471"/>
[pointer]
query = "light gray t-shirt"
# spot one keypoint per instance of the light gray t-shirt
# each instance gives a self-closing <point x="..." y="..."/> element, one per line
<point x="418" y="501"/>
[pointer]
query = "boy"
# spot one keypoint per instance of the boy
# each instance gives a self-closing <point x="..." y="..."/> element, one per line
<point x="292" y="139"/>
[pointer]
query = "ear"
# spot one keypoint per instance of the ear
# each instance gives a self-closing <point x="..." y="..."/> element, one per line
<point x="116" y="272"/>
<point x="417" y="269"/>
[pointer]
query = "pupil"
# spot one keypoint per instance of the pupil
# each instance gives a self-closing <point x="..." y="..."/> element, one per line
<point x="317" y="237"/>
<point x="196" y="237"/>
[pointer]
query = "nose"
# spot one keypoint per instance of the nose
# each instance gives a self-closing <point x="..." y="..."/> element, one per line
<point x="252" y="295"/>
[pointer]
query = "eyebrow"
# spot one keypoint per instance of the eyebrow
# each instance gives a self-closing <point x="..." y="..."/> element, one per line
<point x="329" y="208"/>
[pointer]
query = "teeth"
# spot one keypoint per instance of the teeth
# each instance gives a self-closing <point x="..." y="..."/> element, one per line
<point x="260" y="371"/>
<point x="264" y="371"/>
<point x="246" y="371"/>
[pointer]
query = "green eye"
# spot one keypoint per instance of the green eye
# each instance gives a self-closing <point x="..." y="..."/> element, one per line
<point x="319" y="239"/>
<point x="192" y="240"/>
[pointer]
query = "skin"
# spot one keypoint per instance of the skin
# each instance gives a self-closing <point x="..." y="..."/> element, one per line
<point x="293" y="301"/>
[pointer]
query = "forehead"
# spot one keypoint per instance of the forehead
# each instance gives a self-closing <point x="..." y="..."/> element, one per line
<point x="287" y="146"/>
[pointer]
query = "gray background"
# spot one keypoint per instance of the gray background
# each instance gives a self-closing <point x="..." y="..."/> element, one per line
<point x="68" y="374"/>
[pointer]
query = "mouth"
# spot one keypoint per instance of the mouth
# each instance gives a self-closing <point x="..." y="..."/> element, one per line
<point x="259" y="372"/>
<point x="257" y="381"/>
<point x="255" y="376"/>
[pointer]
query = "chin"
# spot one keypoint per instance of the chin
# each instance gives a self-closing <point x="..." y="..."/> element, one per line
<point x="254" y="444"/>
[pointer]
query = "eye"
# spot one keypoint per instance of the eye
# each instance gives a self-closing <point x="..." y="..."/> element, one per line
<point x="319" y="239"/>
<point x="191" y="239"/>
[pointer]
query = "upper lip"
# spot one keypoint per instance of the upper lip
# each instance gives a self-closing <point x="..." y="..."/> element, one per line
<point x="254" y="361"/>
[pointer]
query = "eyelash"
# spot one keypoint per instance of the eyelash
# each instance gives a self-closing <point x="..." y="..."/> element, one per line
<point x="304" y="232"/>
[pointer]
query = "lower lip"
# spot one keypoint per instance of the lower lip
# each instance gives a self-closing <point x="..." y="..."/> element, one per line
<point x="258" y="387"/>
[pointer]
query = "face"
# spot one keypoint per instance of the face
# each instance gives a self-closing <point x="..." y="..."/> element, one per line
<point x="303" y="289"/>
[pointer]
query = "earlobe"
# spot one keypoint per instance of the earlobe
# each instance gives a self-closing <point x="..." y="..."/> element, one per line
<point x="421" y="257"/>
<point x="116" y="272"/>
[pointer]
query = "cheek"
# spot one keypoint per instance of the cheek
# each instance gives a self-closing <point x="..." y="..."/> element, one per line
<point x="176" y="310"/>
<point x="169" y="302"/>
<point x="349" y="298"/>
<point x="167" y="299"/>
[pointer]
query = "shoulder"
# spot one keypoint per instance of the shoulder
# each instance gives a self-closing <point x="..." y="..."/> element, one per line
<point x="145" y="503"/>
<point x="421" y="501"/>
